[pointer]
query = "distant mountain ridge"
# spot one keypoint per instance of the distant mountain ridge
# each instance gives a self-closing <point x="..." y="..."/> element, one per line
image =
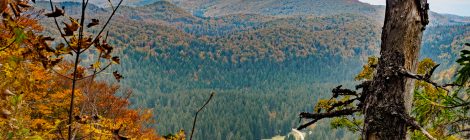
<point x="282" y="8"/>
<point x="245" y="35"/>
<point x="263" y="7"/>
<point x="277" y="7"/>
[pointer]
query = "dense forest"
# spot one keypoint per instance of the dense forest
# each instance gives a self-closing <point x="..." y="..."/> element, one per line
<point x="266" y="61"/>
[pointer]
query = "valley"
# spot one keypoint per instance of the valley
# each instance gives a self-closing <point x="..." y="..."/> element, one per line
<point x="265" y="60"/>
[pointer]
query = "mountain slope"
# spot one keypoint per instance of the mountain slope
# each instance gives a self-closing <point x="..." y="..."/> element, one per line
<point x="264" y="68"/>
<point x="279" y="7"/>
<point x="270" y="7"/>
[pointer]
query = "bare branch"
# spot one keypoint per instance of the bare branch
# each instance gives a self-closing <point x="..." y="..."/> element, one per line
<point x="460" y="105"/>
<point x="426" y="133"/>
<point x="425" y="78"/>
<point x="328" y="114"/>
<point x="338" y="104"/>
<point x="410" y="121"/>
<point x="430" y="73"/>
<point x="195" y="117"/>
<point x="56" y="72"/>
<point x="96" y="72"/>
<point x="307" y="124"/>
<point x="338" y="91"/>
<point x="319" y="116"/>
<point x="461" y="131"/>
<point x="357" y="125"/>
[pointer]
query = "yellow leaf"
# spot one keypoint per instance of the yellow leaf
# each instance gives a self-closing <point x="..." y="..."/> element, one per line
<point x="97" y="65"/>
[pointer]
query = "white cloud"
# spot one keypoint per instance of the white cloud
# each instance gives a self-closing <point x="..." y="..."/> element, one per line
<point x="457" y="7"/>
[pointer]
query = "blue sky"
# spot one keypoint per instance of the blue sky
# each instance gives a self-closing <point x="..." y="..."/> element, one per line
<point x="456" y="7"/>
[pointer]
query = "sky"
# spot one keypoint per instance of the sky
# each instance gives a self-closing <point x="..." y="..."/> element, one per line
<point x="456" y="7"/>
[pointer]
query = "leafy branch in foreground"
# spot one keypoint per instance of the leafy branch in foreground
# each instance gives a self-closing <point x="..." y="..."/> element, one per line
<point x="32" y="96"/>
<point x="77" y="43"/>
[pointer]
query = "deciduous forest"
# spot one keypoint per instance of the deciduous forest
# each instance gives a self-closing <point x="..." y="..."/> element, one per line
<point x="232" y="70"/>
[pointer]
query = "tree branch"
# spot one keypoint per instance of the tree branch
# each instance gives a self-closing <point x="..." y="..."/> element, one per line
<point x="195" y="117"/>
<point x="61" y="74"/>
<point x="338" y="91"/>
<point x="410" y="121"/>
<point x="8" y="46"/>
<point x="338" y="104"/>
<point x="105" y="25"/>
<point x="96" y="72"/>
<point x="57" y="25"/>
<point x="318" y="116"/>
<point x="307" y="124"/>
<point x="426" y="78"/>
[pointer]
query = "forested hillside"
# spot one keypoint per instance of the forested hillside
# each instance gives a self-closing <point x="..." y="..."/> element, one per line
<point x="265" y="60"/>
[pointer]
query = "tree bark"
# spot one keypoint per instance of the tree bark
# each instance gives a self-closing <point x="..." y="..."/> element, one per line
<point x="391" y="94"/>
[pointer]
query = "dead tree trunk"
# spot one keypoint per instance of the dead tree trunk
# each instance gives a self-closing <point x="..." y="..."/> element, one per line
<point x="390" y="94"/>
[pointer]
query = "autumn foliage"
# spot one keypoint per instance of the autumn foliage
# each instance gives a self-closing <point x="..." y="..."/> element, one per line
<point x="34" y="92"/>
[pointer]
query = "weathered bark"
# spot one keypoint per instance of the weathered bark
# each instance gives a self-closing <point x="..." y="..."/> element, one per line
<point x="390" y="93"/>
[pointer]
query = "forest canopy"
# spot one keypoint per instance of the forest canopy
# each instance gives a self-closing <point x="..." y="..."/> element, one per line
<point x="145" y="69"/>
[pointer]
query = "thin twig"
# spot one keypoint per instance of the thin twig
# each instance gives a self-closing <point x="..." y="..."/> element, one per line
<point x="426" y="133"/>
<point x="61" y="74"/>
<point x="426" y="78"/>
<point x="459" y="131"/>
<point x="57" y="25"/>
<point x="105" y="25"/>
<point x="341" y="103"/>
<point x="95" y="73"/>
<point x="195" y="117"/>
<point x="9" y="45"/>
<point x="357" y="125"/>
<point x="460" y="105"/>
<point x="443" y="106"/>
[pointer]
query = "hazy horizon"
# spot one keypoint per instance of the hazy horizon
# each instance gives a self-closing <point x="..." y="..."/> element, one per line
<point x="455" y="7"/>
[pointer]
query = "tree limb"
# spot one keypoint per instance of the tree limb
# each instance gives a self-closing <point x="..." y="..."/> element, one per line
<point x="426" y="78"/>
<point x="195" y="117"/>
<point x="338" y="104"/>
<point x="338" y="91"/>
<point x="410" y="121"/>
<point x="307" y="124"/>
<point x="318" y="116"/>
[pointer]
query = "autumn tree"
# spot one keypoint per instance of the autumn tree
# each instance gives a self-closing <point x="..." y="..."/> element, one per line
<point x="78" y="42"/>
<point x="35" y="82"/>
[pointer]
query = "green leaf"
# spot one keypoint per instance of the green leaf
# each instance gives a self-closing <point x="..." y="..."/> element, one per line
<point x="16" y="100"/>
<point x="19" y="35"/>
<point x="9" y="135"/>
